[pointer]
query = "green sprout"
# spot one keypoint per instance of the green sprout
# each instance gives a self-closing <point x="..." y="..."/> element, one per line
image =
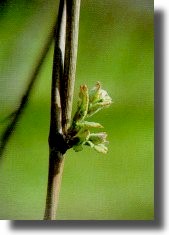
<point x="90" y="102"/>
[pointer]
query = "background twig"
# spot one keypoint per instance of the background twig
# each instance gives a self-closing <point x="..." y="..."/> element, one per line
<point x="15" y="115"/>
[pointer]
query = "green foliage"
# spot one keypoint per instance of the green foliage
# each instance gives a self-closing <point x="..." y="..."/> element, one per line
<point x="89" y="103"/>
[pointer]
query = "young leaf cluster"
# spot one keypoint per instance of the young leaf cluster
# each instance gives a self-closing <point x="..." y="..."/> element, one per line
<point x="79" y="133"/>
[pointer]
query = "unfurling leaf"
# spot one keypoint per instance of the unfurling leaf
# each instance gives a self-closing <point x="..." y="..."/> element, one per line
<point x="82" y="104"/>
<point x="98" y="99"/>
<point x="98" y="141"/>
<point x="81" y="138"/>
<point x="98" y="138"/>
<point x="101" y="148"/>
<point x="94" y="93"/>
<point x="86" y="124"/>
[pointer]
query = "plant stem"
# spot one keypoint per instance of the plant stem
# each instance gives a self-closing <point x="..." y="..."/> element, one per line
<point x="61" y="99"/>
<point x="67" y="86"/>
<point x="56" y="141"/>
<point x="54" y="181"/>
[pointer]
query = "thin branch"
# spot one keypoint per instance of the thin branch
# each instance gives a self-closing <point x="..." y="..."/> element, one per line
<point x="15" y="116"/>
<point x="57" y="145"/>
<point x="61" y="100"/>
<point x="67" y="86"/>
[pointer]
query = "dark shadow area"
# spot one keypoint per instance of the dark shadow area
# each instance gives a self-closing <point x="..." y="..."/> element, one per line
<point x="159" y="118"/>
<point x="158" y="222"/>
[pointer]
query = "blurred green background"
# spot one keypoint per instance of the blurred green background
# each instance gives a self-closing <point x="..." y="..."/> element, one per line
<point x="115" y="48"/>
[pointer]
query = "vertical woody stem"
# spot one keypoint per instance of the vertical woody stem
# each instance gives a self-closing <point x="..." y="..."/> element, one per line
<point x="67" y="86"/>
<point x="56" y="143"/>
<point x="63" y="79"/>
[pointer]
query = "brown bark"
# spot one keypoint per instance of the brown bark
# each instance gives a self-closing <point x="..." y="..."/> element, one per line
<point x="61" y="98"/>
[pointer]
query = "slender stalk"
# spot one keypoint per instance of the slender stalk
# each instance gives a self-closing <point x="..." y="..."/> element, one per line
<point x="67" y="86"/>
<point x="56" y="141"/>
<point x="61" y="100"/>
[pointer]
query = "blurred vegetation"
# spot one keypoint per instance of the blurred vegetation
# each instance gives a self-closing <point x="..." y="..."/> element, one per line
<point x="115" y="48"/>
